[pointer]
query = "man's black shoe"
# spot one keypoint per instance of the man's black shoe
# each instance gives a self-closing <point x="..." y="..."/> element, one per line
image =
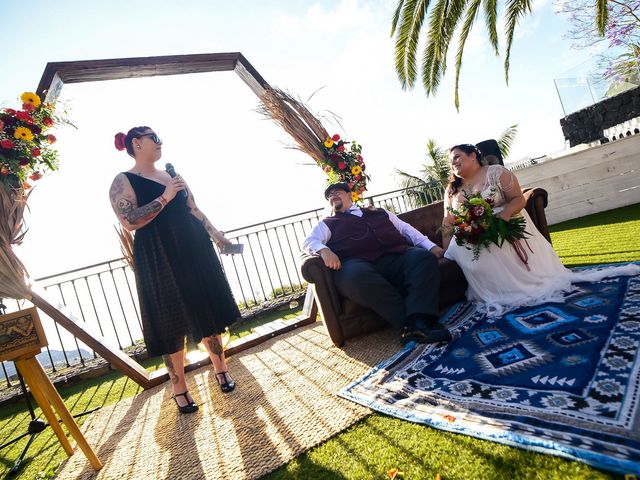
<point x="422" y="335"/>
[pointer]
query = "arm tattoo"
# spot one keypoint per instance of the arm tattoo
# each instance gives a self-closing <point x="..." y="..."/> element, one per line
<point x="175" y="378"/>
<point x="136" y="216"/>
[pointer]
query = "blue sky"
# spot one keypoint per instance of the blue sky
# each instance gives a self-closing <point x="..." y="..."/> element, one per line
<point x="234" y="160"/>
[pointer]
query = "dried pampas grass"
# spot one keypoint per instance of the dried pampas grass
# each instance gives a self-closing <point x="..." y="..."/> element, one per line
<point x="294" y="117"/>
<point x="126" y="244"/>
<point x="14" y="281"/>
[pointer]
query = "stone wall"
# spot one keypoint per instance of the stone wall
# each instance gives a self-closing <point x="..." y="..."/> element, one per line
<point x="586" y="125"/>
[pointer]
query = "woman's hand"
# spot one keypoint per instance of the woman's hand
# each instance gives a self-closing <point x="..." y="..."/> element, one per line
<point x="173" y="187"/>
<point x="220" y="240"/>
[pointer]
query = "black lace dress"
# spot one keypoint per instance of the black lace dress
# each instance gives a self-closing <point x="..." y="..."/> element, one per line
<point x="182" y="289"/>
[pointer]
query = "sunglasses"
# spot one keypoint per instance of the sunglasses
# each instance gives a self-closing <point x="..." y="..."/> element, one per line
<point x="153" y="137"/>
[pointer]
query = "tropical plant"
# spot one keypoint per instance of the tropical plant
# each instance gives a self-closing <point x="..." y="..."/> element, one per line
<point x="445" y="19"/>
<point x="433" y="178"/>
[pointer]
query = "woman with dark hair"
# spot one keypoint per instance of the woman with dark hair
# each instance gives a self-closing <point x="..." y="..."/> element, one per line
<point x="182" y="290"/>
<point x="500" y="279"/>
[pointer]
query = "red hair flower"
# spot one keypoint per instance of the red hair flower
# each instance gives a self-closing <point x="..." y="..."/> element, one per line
<point x="119" y="141"/>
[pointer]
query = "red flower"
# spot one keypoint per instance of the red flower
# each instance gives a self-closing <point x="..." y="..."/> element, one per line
<point x="36" y="152"/>
<point x="10" y="111"/>
<point x="35" y="176"/>
<point x="335" y="138"/>
<point x="342" y="165"/>
<point x="47" y="121"/>
<point x="6" y="144"/>
<point x="1" y="124"/>
<point x="26" y="186"/>
<point x="360" y="159"/>
<point x="51" y="138"/>
<point x="28" y="107"/>
<point x="24" y="116"/>
<point x="358" y="177"/>
<point x="341" y="148"/>
<point x="350" y="185"/>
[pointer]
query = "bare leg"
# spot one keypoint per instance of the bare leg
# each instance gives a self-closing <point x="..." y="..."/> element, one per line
<point x="175" y="367"/>
<point x="216" y="354"/>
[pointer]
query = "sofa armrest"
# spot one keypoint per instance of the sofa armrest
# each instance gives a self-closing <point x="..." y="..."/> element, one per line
<point x="537" y="200"/>
<point x="320" y="278"/>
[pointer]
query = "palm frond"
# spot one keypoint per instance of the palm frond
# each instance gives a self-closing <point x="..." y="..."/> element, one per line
<point x="506" y="140"/>
<point x="407" y="38"/>
<point x="470" y="18"/>
<point x="491" y="18"/>
<point x="515" y="9"/>
<point x="602" y="16"/>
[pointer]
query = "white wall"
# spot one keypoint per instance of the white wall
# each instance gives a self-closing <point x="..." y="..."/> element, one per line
<point x="589" y="181"/>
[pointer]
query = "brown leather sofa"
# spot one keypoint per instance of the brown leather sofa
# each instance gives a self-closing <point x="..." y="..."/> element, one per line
<point x="345" y="319"/>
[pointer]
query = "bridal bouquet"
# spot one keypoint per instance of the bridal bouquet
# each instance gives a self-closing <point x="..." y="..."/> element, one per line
<point x="475" y="225"/>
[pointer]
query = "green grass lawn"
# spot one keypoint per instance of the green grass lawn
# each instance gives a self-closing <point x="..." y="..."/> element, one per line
<point x="377" y="443"/>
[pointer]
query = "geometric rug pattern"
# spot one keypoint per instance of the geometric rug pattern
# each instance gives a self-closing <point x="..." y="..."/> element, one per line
<point x="558" y="378"/>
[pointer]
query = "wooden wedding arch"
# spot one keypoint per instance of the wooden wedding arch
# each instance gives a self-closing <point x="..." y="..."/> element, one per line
<point x="54" y="77"/>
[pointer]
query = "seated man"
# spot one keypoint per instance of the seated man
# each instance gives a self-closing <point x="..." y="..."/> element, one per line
<point x="373" y="262"/>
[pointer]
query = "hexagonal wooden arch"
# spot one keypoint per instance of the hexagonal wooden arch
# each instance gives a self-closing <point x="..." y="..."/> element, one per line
<point x="55" y="75"/>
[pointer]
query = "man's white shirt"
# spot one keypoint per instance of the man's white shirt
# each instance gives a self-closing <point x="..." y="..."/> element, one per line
<point x="320" y="235"/>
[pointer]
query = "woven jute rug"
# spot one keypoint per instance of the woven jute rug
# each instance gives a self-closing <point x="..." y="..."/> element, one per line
<point x="284" y="404"/>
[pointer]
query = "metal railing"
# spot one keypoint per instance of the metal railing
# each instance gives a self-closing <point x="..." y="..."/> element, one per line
<point x="104" y="295"/>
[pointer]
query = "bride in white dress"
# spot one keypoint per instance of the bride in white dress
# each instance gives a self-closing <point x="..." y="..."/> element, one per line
<point x="499" y="280"/>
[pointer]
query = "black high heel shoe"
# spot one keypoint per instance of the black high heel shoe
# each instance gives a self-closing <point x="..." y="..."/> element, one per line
<point x="190" y="407"/>
<point x="228" y="385"/>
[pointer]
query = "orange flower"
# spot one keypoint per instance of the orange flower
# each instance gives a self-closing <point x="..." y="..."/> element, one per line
<point x="26" y="186"/>
<point x="35" y="176"/>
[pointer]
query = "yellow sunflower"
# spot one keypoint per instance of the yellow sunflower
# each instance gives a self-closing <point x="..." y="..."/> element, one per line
<point x="354" y="196"/>
<point x="23" y="133"/>
<point x="32" y="98"/>
<point x="328" y="142"/>
<point x="356" y="169"/>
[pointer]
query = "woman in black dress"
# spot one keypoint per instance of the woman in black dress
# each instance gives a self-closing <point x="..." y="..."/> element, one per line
<point x="181" y="286"/>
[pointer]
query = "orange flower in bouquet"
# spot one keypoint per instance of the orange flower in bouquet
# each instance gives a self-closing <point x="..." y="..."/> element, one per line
<point x="475" y="225"/>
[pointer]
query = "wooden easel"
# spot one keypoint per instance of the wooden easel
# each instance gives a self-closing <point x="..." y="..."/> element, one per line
<point x="27" y="338"/>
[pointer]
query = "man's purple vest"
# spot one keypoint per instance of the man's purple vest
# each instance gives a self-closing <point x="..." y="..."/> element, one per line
<point x="366" y="237"/>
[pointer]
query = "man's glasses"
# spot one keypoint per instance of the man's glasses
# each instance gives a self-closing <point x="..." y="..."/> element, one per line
<point x="153" y="137"/>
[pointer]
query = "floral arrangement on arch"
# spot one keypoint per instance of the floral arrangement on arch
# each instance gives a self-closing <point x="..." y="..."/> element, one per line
<point x="475" y="225"/>
<point x="26" y="152"/>
<point x="340" y="160"/>
<point x="343" y="162"/>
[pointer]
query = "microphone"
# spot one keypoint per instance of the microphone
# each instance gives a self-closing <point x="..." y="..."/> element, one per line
<point x="172" y="173"/>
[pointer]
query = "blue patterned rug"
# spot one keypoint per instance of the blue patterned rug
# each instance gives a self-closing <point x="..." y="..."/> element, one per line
<point x="558" y="378"/>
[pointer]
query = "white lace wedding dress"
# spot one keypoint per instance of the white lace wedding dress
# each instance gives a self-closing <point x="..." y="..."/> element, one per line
<point x="500" y="281"/>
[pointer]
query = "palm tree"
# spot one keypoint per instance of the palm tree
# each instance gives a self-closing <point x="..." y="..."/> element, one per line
<point x="444" y="18"/>
<point x="428" y="186"/>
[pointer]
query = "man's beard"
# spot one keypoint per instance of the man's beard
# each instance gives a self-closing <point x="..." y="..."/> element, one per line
<point x="337" y="206"/>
